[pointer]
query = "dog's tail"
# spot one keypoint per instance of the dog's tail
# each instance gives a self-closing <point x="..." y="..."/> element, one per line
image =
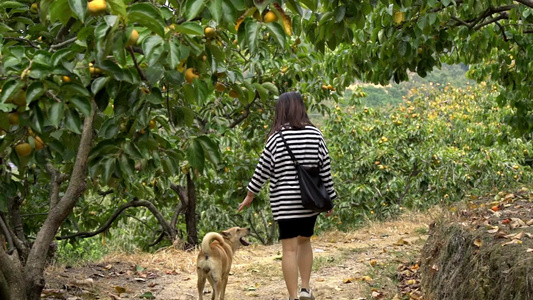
<point x="207" y="240"/>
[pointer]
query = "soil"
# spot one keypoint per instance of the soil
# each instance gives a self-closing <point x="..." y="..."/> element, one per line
<point x="378" y="261"/>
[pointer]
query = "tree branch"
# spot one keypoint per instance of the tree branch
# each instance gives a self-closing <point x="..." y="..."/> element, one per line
<point x="69" y="41"/>
<point x="526" y="2"/>
<point x="55" y="183"/>
<point x="22" y="40"/>
<point x="500" y="17"/>
<point x="139" y="70"/>
<point x="503" y="31"/>
<point x="7" y="234"/>
<point x="157" y="241"/>
<point x="109" y="222"/>
<point x="243" y="116"/>
<point x="64" y="30"/>
<point x="10" y="235"/>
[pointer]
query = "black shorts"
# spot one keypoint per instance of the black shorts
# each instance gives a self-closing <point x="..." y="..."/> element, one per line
<point x="291" y="228"/>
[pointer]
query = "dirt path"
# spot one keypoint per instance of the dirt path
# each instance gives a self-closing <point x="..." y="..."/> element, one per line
<point x="363" y="264"/>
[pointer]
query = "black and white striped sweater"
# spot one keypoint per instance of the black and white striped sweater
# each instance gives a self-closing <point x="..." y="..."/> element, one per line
<point x="309" y="148"/>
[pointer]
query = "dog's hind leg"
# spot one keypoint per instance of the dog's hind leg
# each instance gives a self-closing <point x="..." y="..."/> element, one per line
<point x="213" y="283"/>
<point x="224" y="284"/>
<point x="201" y="284"/>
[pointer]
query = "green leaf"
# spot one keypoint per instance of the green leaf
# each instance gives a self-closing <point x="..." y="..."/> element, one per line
<point x="193" y="8"/>
<point x="210" y="148"/>
<point x="277" y="31"/>
<point x="147" y="15"/>
<point x="55" y="113"/>
<point x="263" y="92"/>
<point x="11" y="4"/>
<point x="173" y="54"/>
<point x="74" y="88"/>
<point x="190" y="28"/>
<point x="109" y="168"/>
<point x="82" y="104"/>
<point x="196" y="155"/>
<point x="118" y="8"/>
<point x="339" y="13"/>
<point x="79" y="8"/>
<point x="109" y="129"/>
<point x="271" y="88"/>
<point x="59" y="56"/>
<point x="190" y="93"/>
<point x="147" y="295"/>
<point x="215" y="8"/>
<point x="252" y="33"/>
<point x="126" y="166"/>
<point x="73" y="121"/>
<point x="60" y="10"/>
<point x="150" y="44"/>
<point x="38" y="118"/>
<point x="184" y="115"/>
<point x="34" y="91"/>
<point x="44" y="9"/>
<point x="261" y="4"/>
<point x="98" y="84"/>
<point x="9" y="89"/>
<point x="230" y="13"/>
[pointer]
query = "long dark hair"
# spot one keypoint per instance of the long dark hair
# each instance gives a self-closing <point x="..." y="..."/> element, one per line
<point x="290" y="111"/>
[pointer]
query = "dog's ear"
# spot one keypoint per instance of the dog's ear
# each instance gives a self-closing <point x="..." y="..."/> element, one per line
<point x="225" y="234"/>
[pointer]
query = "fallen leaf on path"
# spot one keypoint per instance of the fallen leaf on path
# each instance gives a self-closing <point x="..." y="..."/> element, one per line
<point x="114" y="297"/>
<point x="320" y="279"/>
<point x="478" y="243"/>
<point x="120" y="289"/>
<point x="373" y="262"/>
<point x="401" y="242"/>
<point x="377" y="295"/>
<point x="529" y="250"/>
<point x="515" y="236"/>
<point x="493" y="230"/>
<point x="529" y="235"/>
<point x="108" y="267"/>
<point x="88" y="283"/>
<point x="512" y="242"/>
<point x="366" y="278"/>
<point x="139" y="279"/>
<point x="348" y="280"/>
<point x="530" y="222"/>
<point x="415" y="295"/>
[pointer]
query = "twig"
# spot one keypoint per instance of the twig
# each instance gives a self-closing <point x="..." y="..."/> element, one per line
<point x="495" y="20"/>
<point x="503" y="31"/>
<point x="64" y="30"/>
<point x="49" y="93"/>
<point x="139" y="70"/>
<point x="22" y="40"/>
<point x="72" y="40"/>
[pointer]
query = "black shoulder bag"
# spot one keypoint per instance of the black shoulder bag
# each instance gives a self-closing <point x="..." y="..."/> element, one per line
<point x="312" y="189"/>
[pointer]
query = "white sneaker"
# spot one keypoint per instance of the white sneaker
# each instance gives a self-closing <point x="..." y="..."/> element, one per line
<point x="306" y="294"/>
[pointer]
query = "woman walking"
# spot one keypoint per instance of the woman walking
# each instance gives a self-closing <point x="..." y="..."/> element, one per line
<point x="296" y="223"/>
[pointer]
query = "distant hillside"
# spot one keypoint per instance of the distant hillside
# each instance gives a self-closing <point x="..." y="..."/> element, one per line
<point x="391" y="95"/>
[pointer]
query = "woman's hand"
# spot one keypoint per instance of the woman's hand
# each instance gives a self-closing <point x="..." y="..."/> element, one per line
<point x="329" y="213"/>
<point x="247" y="201"/>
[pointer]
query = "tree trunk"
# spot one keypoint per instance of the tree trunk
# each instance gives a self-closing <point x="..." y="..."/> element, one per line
<point x="11" y="279"/>
<point x="190" y="213"/>
<point x="34" y="268"/>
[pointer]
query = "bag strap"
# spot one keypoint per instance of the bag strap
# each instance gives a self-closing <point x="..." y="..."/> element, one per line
<point x="288" y="148"/>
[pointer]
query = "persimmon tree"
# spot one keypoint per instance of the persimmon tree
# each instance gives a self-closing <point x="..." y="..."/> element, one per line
<point x="380" y="41"/>
<point x="126" y="100"/>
